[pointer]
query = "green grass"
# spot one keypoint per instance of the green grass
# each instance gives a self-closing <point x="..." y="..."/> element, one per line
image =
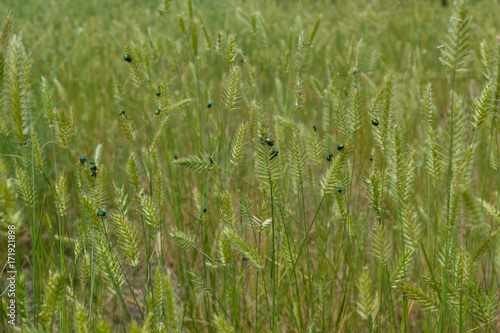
<point x="220" y="211"/>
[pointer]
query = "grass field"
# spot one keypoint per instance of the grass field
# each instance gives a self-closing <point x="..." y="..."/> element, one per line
<point x="249" y="166"/>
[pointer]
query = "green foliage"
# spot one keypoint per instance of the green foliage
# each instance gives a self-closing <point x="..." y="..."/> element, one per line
<point x="307" y="170"/>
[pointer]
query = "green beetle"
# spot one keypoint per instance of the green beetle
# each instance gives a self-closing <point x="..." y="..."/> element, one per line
<point x="274" y="153"/>
<point x="127" y="57"/>
<point x="157" y="112"/>
<point x="340" y="146"/>
<point x="101" y="213"/>
<point x="93" y="169"/>
<point x="329" y="157"/>
<point x="268" y="140"/>
<point x="375" y="122"/>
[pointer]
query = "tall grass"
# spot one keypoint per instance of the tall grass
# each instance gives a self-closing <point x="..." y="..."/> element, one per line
<point x="234" y="166"/>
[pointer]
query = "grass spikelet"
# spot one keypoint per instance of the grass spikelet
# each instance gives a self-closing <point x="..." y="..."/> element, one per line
<point x="419" y="296"/>
<point x="206" y="34"/>
<point x="135" y="72"/>
<point x="485" y="306"/>
<point x="105" y="327"/>
<point x="486" y="59"/>
<point x="175" y="106"/>
<point x="164" y="7"/>
<point x="314" y="148"/>
<point x="183" y="240"/>
<point x="495" y="108"/>
<point x="182" y="24"/>
<point x="341" y="115"/>
<point x="91" y="208"/>
<point x="127" y="238"/>
<point x="39" y="157"/>
<point x="268" y="169"/>
<point x="455" y="50"/>
<point x="246" y="250"/>
<point x="133" y="172"/>
<point x="158" y="134"/>
<point x="15" y="96"/>
<point x="80" y="318"/>
<point x="163" y="100"/>
<point x="238" y="143"/>
<point x="171" y="306"/>
<point x="47" y="103"/>
<point x="366" y="303"/>
<point x="83" y="270"/>
<point x="334" y="177"/>
<point x="231" y="48"/>
<point x="60" y="90"/>
<point x="61" y="197"/>
<point x="53" y="298"/>
<point x="315" y="29"/>
<point x="6" y="31"/>
<point x="232" y="92"/>
<point x="22" y="298"/>
<point x="196" y="163"/>
<point x="481" y="106"/>
<point x="197" y="199"/>
<point x="434" y="164"/>
<point x="300" y="68"/>
<point x="427" y="104"/>
<point x="382" y="109"/>
<point x="399" y="270"/>
<point x="108" y="264"/>
<point x="483" y="246"/>
<point x="288" y="251"/>
<point x="223" y="250"/>
<point x="374" y="186"/>
<point x="159" y="298"/>
<point x="64" y="130"/>
<point x="356" y="111"/>
<point x="494" y="153"/>
<point x="260" y="225"/>
<point x="454" y="132"/>
<point x="411" y="227"/>
<point x="286" y="122"/>
<point x="227" y="212"/>
<point x="381" y="248"/>
<point x="24" y="187"/>
<point x="201" y="283"/>
<point x="463" y="268"/>
<point x="128" y="128"/>
<point x="148" y="209"/>
<point x="219" y="42"/>
<point x="492" y="211"/>
<point x="221" y="325"/>
<point x="159" y="189"/>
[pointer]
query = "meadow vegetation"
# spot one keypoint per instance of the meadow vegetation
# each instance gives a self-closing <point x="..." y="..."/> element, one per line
<point x="251" y="166"/>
